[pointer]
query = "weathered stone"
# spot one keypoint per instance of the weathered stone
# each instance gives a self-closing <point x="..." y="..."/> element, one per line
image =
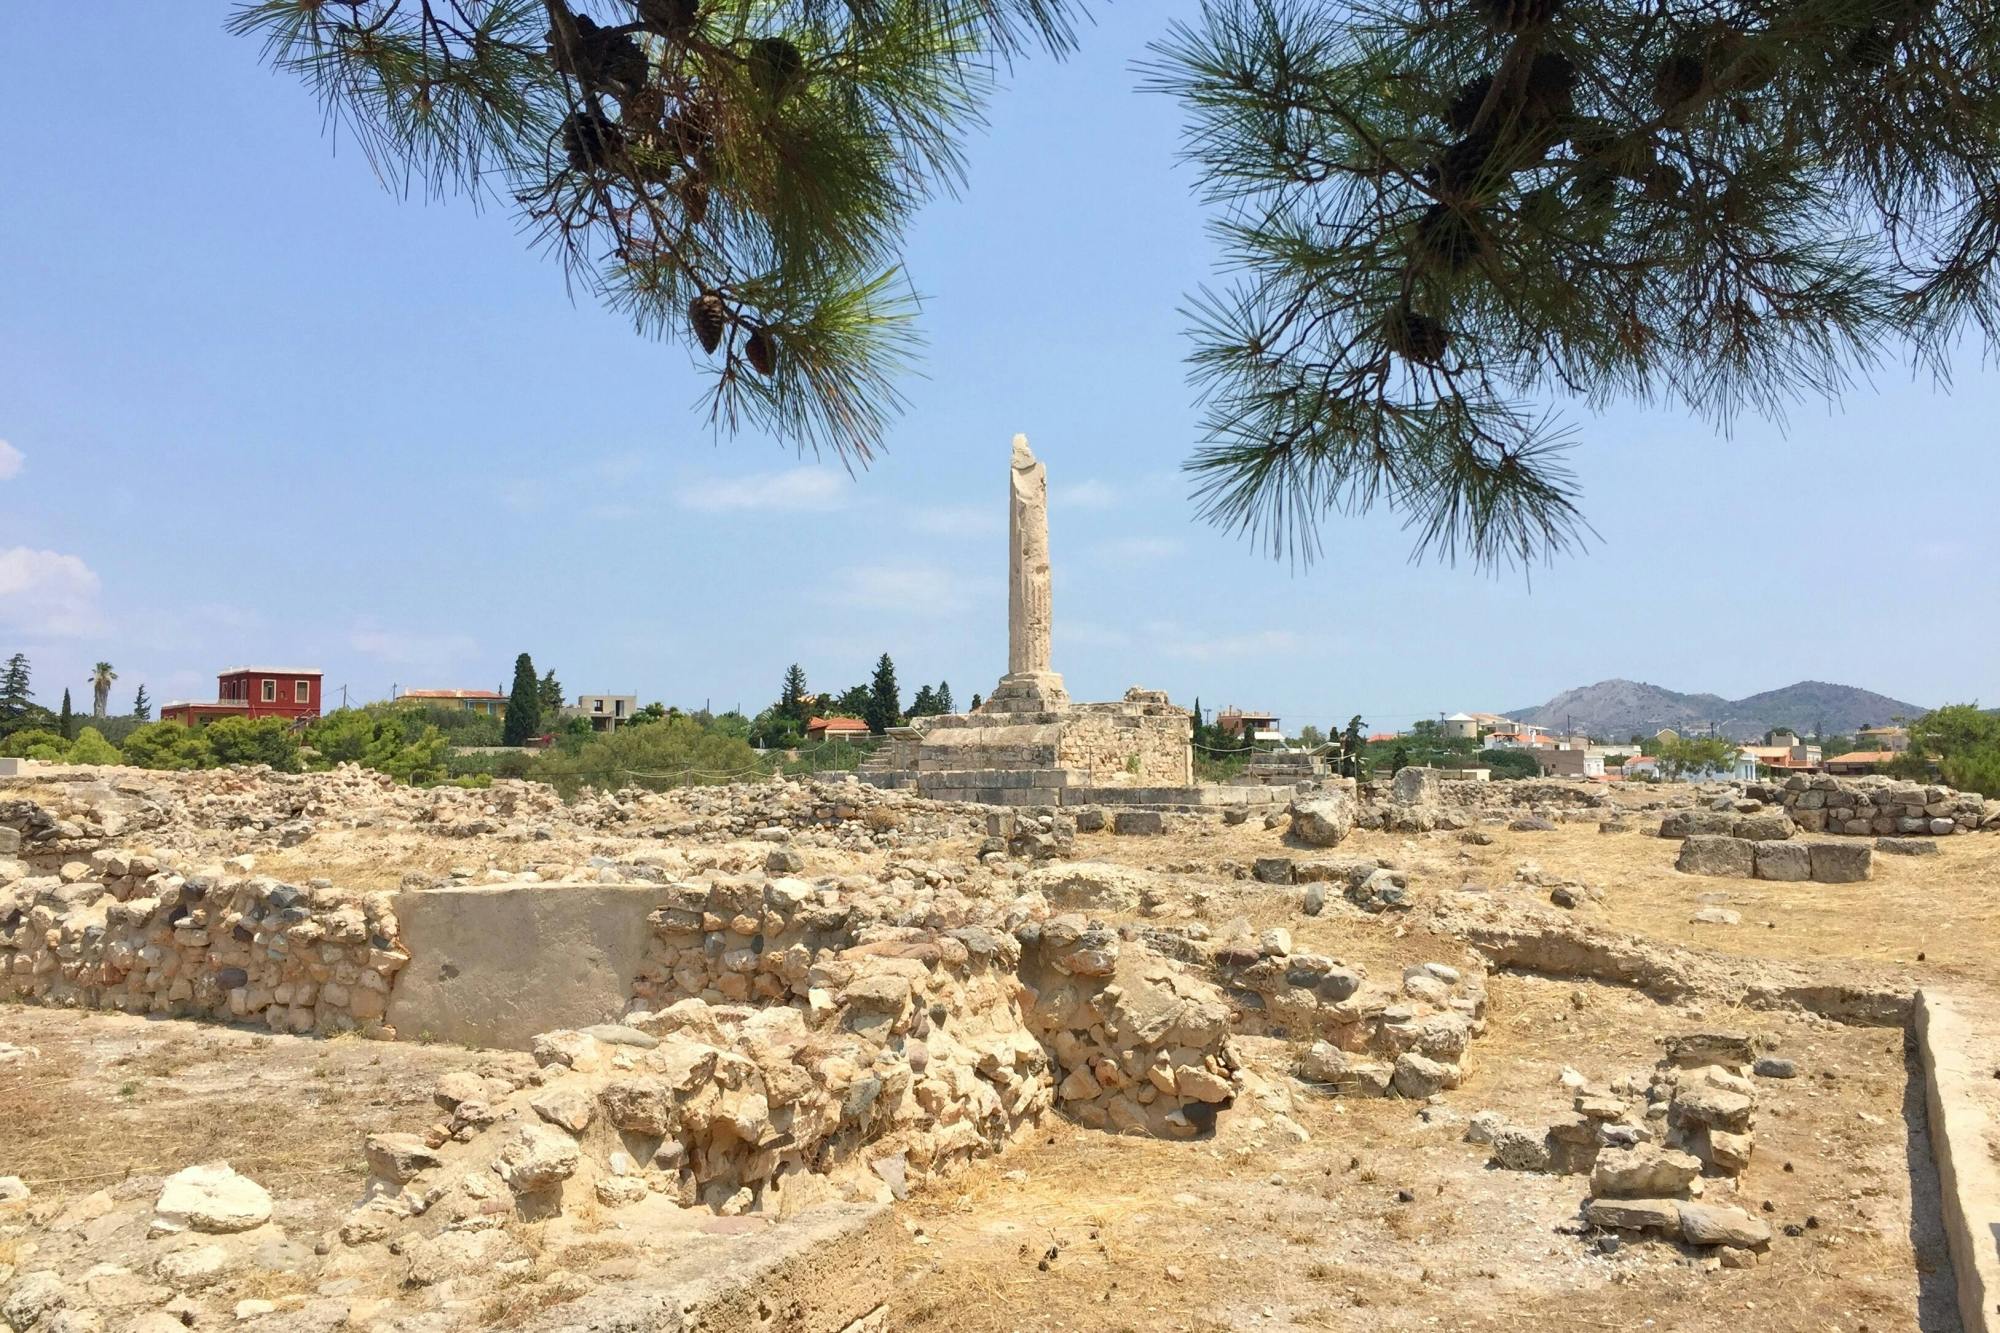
<point x="1784" y="861"/>
<point x="1518" y="1149"/>
<point x="1721" y="1224"/>
<point x="399" y="1157"/>
<point x="536" y="1158"/>
<point x="1323" y="821"/>
<point x="213" y="1198"/>
<point x="1716" y="854"/>
<point x="1841" y="862"/>
<point x="1644" y="1172"/>
<point x="1633" y="1214"/>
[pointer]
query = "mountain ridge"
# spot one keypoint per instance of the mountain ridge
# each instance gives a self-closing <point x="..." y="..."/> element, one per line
<point x="1619" y="708"/>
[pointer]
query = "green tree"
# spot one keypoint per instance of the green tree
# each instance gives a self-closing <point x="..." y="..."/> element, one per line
<point x="973" y="707"/>
<point x="142" y="705"/>
<point x="398" y="742"/>
<point x="168" y="745"/>
<point x="792" y="695"/>
<point x="885" y="703"/>
<point x="925" y="702"/>
<point x="35" y="743"/>
<point x="524" y="705"/>
<point x="1311" y="737"/>
<point x="1510" y="763"/>
<point x="90" y="747"/>
<point x="853" y="702"/>
<point x="549" y="696"/>
<point x="16" y="699"/>
<point x="66" y="720"/>
<point x="1960" y="742"/>
<point x="736" y="174"/>
<point x="943" y="698"/>
<point x="1693" y="756"/>
<point x="246" y="740"/>
<point x="1435" y="216"/>
<point x="1399" y="760"/>
<point x="101" y="677"/>
<point x="1353" y="746"/>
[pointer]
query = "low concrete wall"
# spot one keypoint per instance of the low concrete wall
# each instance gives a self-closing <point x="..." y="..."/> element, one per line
<point x="1959" y="1049"/>
<point x="492" y="965"/>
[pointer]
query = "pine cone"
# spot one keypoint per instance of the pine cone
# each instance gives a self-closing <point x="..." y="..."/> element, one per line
<point x="642" y="110"/>
<point x="1551" y="88"/>
<point x="672" y="19"/>
<point x="694" y="197"/>
<point x="1415" y="337"/>
<point x="1519" y="15"/>
<point x="590" y="140"/>
<point x="688" y="129"/>
<point x="1447" y="237"/>
<point x="775" y="66"/>
<point x="601" y="57"/>
<point x="1465" y="103"/>
<point x="1469" y="164"/>
<point x="709" y="319"/>
<point x="762" y="351"/>
<point x="1680" y="79"/>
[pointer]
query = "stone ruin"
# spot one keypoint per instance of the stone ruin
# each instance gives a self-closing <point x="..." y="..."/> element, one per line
<point x="1027" y="744"/>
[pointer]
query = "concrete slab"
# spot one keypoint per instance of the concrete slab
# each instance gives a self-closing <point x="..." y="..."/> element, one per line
<point x="494" y="964"/>
<point x="1959" y="1043"/>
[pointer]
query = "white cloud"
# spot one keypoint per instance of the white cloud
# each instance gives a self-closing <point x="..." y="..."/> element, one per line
<point x="11" y="460"/>
<point x="1085" y="495"/>
<point x="435" y="651"/>
<point x="48" y="593"/>
<point x="793" y="490"/>
<point x="924" y="588"/>
<point x="959" y="520"/>
<point x="1136" y="550"/>
<point x="1176" y="642"/>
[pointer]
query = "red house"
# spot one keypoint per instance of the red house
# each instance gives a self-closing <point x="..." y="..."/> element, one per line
<point x="252" y="691"/>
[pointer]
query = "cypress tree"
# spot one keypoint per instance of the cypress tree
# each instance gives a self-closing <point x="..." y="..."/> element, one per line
<point x="925" y="703"/>
<point x="943" y="698"/>
<point x="524" y="705"/>
<point x="973" y="707"/>
<point x="885" y="701"/>
<point x="68" y="720"/>
<point x="549" y="694"/>
<point x="142" y="705"/>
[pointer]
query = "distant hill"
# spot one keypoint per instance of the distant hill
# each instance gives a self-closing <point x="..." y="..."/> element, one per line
<point x="1620" y="708"/>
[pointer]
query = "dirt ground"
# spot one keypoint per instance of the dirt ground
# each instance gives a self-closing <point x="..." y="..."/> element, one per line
<point x="1382" y="1218"/>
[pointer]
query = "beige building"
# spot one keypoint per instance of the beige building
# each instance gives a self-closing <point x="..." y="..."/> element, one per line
<point x="607" y="712"/>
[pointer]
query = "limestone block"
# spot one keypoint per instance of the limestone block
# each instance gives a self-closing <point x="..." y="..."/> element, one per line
<point x="1716" y="854"/>
<point x="1841" y="862"/>
<point x="1784" y="861"/>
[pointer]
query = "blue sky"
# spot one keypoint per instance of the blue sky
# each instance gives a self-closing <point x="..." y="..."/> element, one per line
<point x="258" y="409"/>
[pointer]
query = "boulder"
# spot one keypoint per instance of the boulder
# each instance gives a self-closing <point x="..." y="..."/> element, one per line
<point x="1775" y="826"/>
<point x="538" y="1157"/>
<point x="1518" y="1149"/>
<point x="399" y="1157"/>
<point x="1324" y="820"/>
<point x="1633" y="1214"/>
<point x="1139" y="821"/>
<point x="1716" y="854"/>
<point x="1907" y="846"/>
<point x="1644" y="1172"/>
<point x="211" y="1197"/>
<point x="1841" y="862"/>
<point x="1721" y="1224"/>
<point x="1784" y="861"/>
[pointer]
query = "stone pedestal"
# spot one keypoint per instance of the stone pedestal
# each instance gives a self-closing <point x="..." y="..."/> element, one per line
<point x="1028" y="692"/>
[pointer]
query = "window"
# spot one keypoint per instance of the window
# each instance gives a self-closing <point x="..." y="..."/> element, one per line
<point x="270" y="691"/>
<point x="619" y="708"/>
<point x="301" y="692"/>
<point x="597" y="705"/>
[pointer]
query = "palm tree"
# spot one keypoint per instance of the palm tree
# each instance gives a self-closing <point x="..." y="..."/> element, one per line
<point x="100" y="684"/>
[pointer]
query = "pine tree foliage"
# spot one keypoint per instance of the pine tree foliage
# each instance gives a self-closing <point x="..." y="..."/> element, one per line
<point x="885" y="703"/>
<point x="17" y="700"/>
<point x="792" y="695"/>
<point x="1439" y="214"/>
<point x="943" y="699"/>
<point x="549" y="695"/>
<point x="142" y="705"/>
<point x="735" y="173"/>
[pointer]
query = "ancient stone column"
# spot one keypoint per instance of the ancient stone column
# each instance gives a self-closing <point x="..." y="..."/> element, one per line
<point x="1029" y="685"/>
<point x="1029" y="608"/>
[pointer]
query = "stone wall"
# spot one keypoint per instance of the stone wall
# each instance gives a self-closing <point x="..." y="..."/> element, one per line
<point x="1877" y="806"/>
<point x="1143" y="741"/>
<point x="118" y="932"/>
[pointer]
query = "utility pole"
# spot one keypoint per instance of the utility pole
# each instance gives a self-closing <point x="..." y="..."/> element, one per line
<point x="343" y="696"/>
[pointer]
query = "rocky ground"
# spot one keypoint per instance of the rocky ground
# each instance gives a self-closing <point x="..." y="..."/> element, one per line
<point x="1304" y="1209"/>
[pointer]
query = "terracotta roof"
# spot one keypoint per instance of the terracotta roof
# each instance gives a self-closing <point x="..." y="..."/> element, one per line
<point x="1863" y="757"/>
<point x="836" y="724"/>
<point x="451" y="694"/>
<point x="275" y="671"/>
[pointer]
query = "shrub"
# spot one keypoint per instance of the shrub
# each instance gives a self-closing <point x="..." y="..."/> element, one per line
<point x="35" y="743"/>
<point x="675" y="753"/>
<point x="90" y="747"/>
<point x="168" y="745"/>
<point x="397" y="742"/>
<point x="1507" y="764"/>
<point x="263" y="740"/>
